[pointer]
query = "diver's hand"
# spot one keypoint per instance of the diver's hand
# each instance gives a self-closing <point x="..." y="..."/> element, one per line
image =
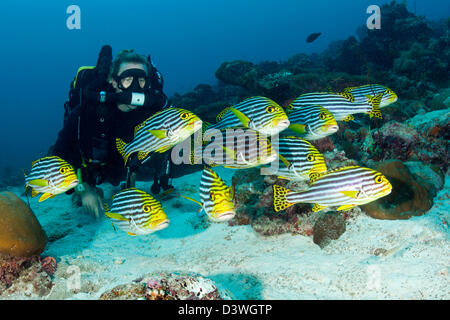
<point x="92" y="201"/>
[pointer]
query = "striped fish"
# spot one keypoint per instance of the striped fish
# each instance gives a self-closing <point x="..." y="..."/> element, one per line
<point x="258" y="113"/>
<point x="299" y="159"/>
<point x="215" y="196"/>
<point x="342" y="105"/>
<point x="345" y="188"/>
<point x="312" y="122"/>
<point x="238" y="149"/>
<point x="362" y="94"/>
<point x="159" y="133"/>
<point x="136" y="212"/>
<point x="51" y="176"/>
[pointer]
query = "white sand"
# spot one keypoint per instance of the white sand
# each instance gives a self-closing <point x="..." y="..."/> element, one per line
<point x="245" y="264"/>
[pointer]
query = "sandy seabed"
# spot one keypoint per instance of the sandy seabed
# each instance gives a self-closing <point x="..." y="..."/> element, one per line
<point x="413" y="257"/>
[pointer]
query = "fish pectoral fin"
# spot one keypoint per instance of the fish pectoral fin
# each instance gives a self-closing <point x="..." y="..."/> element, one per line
<point x="242" y="117"/>
<point x="346" y="207"/>
<point x="38" y="182"/>
<point x="298" y="128"/>
<point x="285" y="162"/>
<point x="160" y="134"/>
<point x="351" y="194"/>
<point x="131" y="234"/>
<point x="317" y="207"/>
<point x="116" y="216"/>
<point x="348" y="118"/>
<point x="46" y="196"/>
<point x="188" y="198"/>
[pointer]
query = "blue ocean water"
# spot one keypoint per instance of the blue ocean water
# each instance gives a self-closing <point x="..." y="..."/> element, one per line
<point x="188" y="41"/>
<point x="260" y="253"/>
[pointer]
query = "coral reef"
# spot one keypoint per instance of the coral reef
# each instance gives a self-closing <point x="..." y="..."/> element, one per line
<point x="21" y="235"/>
<point x="329" y="226"/>
<point x="411" y="195"/>
<point x="254" y="201"/>
<point x="25" y="276"/>
<point x="165" y="286"/>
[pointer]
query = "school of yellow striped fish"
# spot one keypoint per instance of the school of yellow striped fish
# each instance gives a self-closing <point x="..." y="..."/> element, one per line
<point x="261" y="133"/>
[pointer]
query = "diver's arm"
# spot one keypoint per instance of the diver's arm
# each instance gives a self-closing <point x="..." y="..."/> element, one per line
<point x="66" y="146"/>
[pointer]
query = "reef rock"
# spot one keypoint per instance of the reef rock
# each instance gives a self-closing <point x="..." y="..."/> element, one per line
<point x="329" y="226"/>
<point x="21" y="235"/>
<point x="165" y="286"/>
<point x="411" y="195"/>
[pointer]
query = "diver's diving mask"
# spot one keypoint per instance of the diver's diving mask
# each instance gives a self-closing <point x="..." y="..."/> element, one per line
<point x="135" y="80"/>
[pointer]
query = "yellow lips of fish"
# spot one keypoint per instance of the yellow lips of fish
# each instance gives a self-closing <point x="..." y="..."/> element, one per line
<point x="158" y="221"/>
<point x="223" y="208"/>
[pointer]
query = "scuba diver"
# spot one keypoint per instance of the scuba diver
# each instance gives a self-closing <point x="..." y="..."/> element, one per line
<point x="107" y="102"/>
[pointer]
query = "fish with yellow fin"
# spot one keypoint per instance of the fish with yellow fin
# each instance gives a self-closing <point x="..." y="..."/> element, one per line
<point x="159" y="133"/>
<point x="237" y="149"/>
<point x="344" y="188"/>
<point x="341" y="104"/>
<point x="299" y="159"/>
<point x="312" y="122"/>
<point x="362" y="94"/>
<point x="257" y="113"/>
<point x="216" y="198"/>
<point x="50" y="176"/>
<point x="136" y="212"/>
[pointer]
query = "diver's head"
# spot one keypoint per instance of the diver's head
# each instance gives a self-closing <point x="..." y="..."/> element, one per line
<point x="129" y="71"/>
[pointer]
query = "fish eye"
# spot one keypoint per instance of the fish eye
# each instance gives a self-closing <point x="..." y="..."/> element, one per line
<point x="322" y="116"/>
<point x="63" y="170"/>
<point x="310" y="157"/>
<point x="270" y="109"/>
<point x="379" y="179"/>
<point x="184" y="116"/>
<point x="212" y="196"/>
<point x="146" y="208"/>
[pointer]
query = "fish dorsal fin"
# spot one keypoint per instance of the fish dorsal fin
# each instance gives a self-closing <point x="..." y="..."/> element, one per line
<point x="375" y="101"/>
<point x="347" y="95"/>
<point x="349" y="89"/>
<point x="222" y="113"/>
<point x="139" y="126"/>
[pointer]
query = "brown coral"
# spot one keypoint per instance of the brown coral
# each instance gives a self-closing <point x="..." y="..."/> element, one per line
<point x="410" y="195"/>
<point x="21" y="234"/>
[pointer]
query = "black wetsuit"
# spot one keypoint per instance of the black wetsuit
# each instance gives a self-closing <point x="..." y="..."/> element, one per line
<point x="87" y="140"/>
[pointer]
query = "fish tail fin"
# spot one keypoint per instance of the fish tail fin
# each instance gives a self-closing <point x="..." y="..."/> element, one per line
<point x="279" y="198"/>
<point x="120" y="144"/>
